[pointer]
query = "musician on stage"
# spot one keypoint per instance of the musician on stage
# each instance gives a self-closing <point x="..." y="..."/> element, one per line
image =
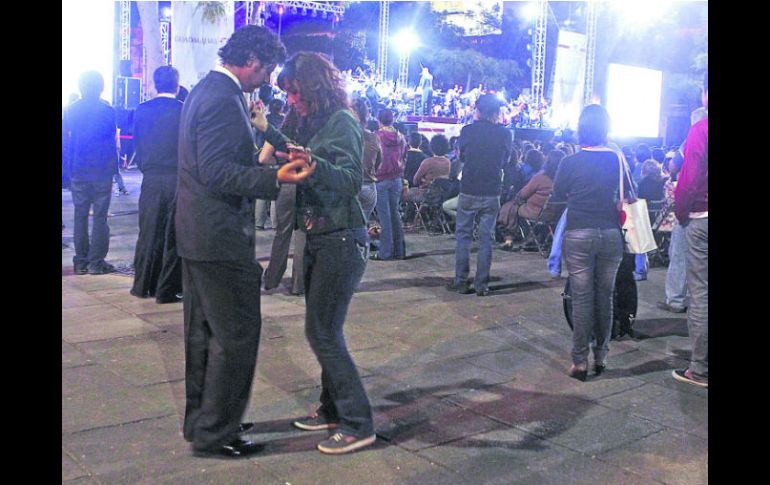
<point x="425" y="88"/>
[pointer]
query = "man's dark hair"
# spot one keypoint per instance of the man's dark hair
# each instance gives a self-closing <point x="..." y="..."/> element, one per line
<point x="658" y="155"/>
<point x="414" y="139"/>
<point x="643" y="153"/>
<point x="252" y="42"/>
<point x="166" y="79"/>
<point x="593" y="125"/>
<point x="534" y="159"/>
<point x="91" y="84"/>
<point x="386" y="117"/>
<point x="488" y="106"/>
<point x="275" y="106"/>
<point x="372" y="125"/>
<point x="439" y="145"/>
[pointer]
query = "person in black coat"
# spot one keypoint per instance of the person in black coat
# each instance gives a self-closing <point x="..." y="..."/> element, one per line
<point x="219" y="180"/>
<point x="90" y="153"/>
<point x="158" y="271"/>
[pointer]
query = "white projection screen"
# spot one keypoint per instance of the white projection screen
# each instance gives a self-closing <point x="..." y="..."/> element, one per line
<point x="87" y="44"/>
<point x="633" y="101"/>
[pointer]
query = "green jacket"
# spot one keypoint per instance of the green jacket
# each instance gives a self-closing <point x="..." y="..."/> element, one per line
<point x="327" y="201"/>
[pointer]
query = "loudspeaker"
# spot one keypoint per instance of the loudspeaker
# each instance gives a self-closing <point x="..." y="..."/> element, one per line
<point x="128" y="92"/>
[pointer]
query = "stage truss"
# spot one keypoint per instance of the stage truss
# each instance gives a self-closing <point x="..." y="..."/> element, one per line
<point x="591" y="20"/>
<point x="382" y="49"/>
<point x="538" y="53"/>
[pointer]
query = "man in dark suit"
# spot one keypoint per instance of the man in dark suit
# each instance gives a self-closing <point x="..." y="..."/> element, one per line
<point x="158" y="271"/>
<point x="89" y="147"/>
<point x="219" y="180"/>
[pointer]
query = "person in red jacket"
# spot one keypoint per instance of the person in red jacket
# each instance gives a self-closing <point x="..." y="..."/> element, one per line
<point x="389" y="187"/>
<point x="691" y="206"/>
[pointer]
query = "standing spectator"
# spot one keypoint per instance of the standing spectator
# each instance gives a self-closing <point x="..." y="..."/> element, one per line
<point x="372" y="158"/>
<point x="692" y="211"/>
<point x="593" y="242"/>
<point x="337" y="242"/>
<point x="642" y="154"/>
<point x="158" y="271"/>
<point x="389" y="189"/>
<point x="90" y="147"/>
<point x="217" y="185"/>
<point x="485" y="146"/>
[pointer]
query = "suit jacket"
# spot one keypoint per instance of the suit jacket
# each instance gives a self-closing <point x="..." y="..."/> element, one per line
<point x="89" y="146"/>
<point x="156" y="135"/>
<point x="219" y="177"/>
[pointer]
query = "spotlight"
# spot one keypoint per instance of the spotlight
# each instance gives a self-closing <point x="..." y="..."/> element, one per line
<point x="165" y="13"/>
<point x="529" y="47"/>
<point x="405" y="41"/>
<point x="280" y="9"/>
<point x="530" y="11"/>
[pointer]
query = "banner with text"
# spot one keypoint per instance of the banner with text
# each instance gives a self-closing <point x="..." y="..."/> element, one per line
<point x="198" y="31"/>
<point x="569" y="79"/>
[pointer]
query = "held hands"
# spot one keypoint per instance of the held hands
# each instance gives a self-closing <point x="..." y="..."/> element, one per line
<point x="299" y="165"/>
<point x="258" y="117"/>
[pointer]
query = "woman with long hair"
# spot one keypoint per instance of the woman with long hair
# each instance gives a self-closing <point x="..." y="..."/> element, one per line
<point x="336" y="248"/>
<point x="372" y="158"/>
<point x="593" y="242"/>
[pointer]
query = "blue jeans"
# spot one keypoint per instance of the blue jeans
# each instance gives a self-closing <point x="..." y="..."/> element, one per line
<point x="368" y="198"/>
<point x="391" y="234"/>
<point x="487" y="208"/>
<point x="676" y="276"/>
<point x="261" y="213"/>
<point x="554" y="259"/>
<point x="593" y="257"/>
<point x="91" y="251"/>
<point x="334" y="264"/>
<point x="698" y="284"/>
<point x="640" y="266"/>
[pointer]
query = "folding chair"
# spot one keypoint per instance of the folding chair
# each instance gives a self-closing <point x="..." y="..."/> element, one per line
<point x="430" y="215"/>
<point x="540" y="230"/>
<point x="659" y="211"/>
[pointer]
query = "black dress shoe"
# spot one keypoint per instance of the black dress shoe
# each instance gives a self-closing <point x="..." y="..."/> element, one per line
<point x="238" y="448"/>
<point x="169" y="299"/>
<point x="244" y="427"/>
<point x="598" y="369"/>
<point x="463" y="288"/>
<point x="482" y="292"/>
<point x="577" y="373"/>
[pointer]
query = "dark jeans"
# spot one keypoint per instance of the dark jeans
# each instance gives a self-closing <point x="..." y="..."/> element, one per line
<point x="592" y="257"/>
<point x="388" y="204"/>
<point x="91" y="251"/>
<point x="468" y="206"/>
<point x="334" y="265"/>
<point x="698" y="284"/>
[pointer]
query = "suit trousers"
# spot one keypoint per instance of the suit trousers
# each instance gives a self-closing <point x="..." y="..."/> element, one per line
<point x="279" y="253"/>
<point x="222" y="326"/>
<point x="91" y="251"/>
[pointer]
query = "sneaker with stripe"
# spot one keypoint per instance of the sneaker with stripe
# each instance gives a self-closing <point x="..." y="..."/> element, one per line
<point x="314" y="422"/>
<point x="340" y="443"/>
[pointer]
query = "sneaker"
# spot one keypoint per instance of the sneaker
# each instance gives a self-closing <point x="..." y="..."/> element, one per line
<point x="314" y="422"/>
<point x="102" y="268"/>
<point x="687" y="376"/>
<point x="482" y="292"/>
<point x="122" y="192"/>
<point x="340" y="443"/>
<point x="665" y="306"/>
<point x="81" y="269"/>
<point x="463" y="288"/>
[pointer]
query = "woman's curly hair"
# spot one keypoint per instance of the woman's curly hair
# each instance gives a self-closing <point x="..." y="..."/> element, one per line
<point x="321" y="88"/>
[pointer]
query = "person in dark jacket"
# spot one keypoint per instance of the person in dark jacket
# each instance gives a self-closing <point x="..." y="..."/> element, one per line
<point x="218" y="183"/>
<point x="593" y="244"/>
<point x="389" y="188"/>
<point x="414" y="157"/>
<point x="89" y="147"/>
<point x="157" y="269"/>
<point x="329" y="212"/>
<point x="485" y="146"/>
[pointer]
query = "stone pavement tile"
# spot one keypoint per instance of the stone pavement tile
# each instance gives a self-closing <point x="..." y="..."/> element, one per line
<point x="70" y="470"/>
<point x="500" y="456"/>
<point x="390" y="356"/>
<point x="274" y="306"/>
<point x="81" y="481"/>
<point x="288" y="362"/>
<point x="93" y="397"/>
<point x="172" y="321"/>
<point x="144" y="452"/>
<point x="681" y="411"/>
<point x="444" y="377"/>
<point x="662" y="377"/>
<point x="669" y="456"/>
<point x="631" y="399"/>
<point x="673" y="345"/>
<point x="71" y="356"/>
<point x="380" y="464"/>
<point x="72" y="297"/>
<point x="428" y="421"/>
<point x="583" y="470"/>
<point x="546" y="415"/>
<point x="108" y="328"/>
<point x="221" y="472"/>
<point x="141" y="360"/>
<point x="98" y="313"/>
<point x="600" y="432"/>
<point x="101" y="282"/>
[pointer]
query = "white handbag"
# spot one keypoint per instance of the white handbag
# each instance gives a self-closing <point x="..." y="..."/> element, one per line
<point x="637" y="229"/>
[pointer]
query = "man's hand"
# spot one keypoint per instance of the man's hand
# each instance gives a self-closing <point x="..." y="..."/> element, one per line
<point x="258" y="117"/>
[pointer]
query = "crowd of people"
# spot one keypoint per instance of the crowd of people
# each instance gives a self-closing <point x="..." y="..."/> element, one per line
<point x="336" y="171"/>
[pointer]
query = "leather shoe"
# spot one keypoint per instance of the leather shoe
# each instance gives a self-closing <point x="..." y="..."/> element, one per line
<point x="238" y="448"/>
<point x="169" y="299"/>
<point x="482" y="292"/>
<point x="244" y="427"/>
<point x="463" y="288"/>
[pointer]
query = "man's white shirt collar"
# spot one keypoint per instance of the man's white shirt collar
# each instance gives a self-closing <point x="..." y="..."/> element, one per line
<point x="166" y="95"/>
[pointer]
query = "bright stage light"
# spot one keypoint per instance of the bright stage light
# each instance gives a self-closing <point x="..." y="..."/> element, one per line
<point x="529" y="12"/>
<point x="640" y="14"/>
<point x="87" y="44"/>
<point x="405" y="41"/>
<point x="633" y="100"/>
<point x="165" y="12"/>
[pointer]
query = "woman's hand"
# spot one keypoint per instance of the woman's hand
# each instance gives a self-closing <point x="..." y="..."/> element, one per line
<point x="299" y="166"/>
<point x="258" y="117"/>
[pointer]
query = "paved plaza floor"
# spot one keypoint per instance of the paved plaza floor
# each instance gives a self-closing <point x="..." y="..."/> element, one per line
<point x="465" y="390"/>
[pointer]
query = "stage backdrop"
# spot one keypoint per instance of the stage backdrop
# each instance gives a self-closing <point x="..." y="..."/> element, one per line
<point x="196" y="39"/>
<point x="569" y="79"/>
